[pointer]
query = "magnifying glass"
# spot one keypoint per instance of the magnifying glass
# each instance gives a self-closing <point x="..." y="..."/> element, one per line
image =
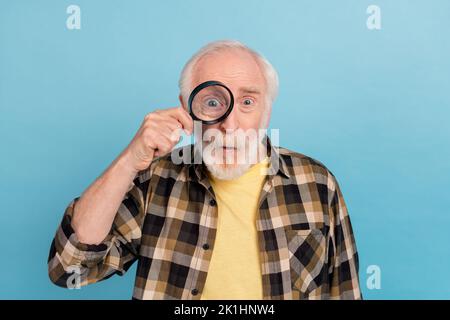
<point x="210" y="102"/>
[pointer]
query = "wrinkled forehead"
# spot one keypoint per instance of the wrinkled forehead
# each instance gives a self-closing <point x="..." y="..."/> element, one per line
<point x="237" y="69"/>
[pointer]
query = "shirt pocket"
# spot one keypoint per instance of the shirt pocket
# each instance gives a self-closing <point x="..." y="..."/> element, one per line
<point x="307" y="252"/>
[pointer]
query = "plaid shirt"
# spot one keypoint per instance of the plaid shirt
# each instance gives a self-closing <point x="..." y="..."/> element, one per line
<point x="167" y="222"/>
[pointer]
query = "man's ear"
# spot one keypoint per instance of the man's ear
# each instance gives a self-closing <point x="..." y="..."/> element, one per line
<point x="180" y="97"/>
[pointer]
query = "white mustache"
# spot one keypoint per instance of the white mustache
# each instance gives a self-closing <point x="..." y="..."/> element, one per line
<point x="232" y="143"/>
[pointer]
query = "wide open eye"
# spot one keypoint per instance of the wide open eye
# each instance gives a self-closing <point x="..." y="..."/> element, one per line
<point x="212" y="103"/>
<point x="248" y="102"/>
<point x="212" y="106"/>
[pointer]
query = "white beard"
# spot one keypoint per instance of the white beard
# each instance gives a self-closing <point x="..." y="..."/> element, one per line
<point x="228" y="172"/>
<point x="234" y="166"/>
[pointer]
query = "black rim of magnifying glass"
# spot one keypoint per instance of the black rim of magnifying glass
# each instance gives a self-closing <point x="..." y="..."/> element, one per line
<point x="204" y="85"/>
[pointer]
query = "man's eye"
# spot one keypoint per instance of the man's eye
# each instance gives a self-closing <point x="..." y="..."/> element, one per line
<point x="212" y="103"/>
<point x="248" y="102"/>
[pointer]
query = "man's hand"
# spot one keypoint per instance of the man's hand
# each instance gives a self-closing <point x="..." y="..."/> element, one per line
<point x="95" y="211"/>
<point x="158" y="134"/>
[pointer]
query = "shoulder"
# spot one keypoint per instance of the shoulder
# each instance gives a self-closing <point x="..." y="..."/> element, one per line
<point x="307" y="169"/>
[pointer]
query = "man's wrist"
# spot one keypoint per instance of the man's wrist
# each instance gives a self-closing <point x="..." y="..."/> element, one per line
<point x="125" y="165"/>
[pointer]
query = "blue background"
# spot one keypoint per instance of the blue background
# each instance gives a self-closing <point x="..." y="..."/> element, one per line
<point x="372" y="105"/>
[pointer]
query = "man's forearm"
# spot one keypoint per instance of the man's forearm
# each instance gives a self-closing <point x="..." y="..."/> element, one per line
<point x="95" y="210"/>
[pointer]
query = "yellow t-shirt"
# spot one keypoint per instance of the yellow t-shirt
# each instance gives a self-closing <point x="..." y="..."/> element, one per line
<point x="235" y="270"/>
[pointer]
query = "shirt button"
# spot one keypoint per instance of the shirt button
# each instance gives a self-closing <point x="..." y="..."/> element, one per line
<point x="205" y="246"/>
<point x="212" y="202"/>
<point x="194" y="292"/>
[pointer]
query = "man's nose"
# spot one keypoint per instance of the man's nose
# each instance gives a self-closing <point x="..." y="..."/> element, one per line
<point x="231" y="122"/>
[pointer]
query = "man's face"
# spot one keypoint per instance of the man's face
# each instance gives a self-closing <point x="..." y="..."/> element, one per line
<point x="240" y="72"/>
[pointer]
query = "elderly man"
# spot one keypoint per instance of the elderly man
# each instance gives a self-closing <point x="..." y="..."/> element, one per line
<point x="219" y="228"/>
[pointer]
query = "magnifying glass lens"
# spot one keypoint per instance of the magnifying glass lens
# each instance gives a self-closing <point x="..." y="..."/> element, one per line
<point x="211" y="103"/>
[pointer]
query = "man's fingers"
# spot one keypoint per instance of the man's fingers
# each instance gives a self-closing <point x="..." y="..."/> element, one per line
<point x="163" y="145"/>
<point x="172" y="134"/>
<point x="185" y="119"/>
<point x="172" y="124"/>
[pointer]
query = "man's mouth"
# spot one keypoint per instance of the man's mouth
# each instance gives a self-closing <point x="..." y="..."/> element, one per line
<point x="228" y="149"/>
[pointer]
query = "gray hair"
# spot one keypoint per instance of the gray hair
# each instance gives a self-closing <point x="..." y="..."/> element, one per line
<point x="269" y="72"/>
